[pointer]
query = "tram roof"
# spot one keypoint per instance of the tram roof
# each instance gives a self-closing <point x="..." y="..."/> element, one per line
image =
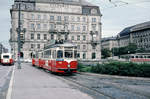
<point x="66" y="44"/>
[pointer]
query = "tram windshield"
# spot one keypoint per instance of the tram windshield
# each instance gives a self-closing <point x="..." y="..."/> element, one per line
<point x="68" y="54"/>
<point x="6" y="56"/>
<point x="60" y="54"/>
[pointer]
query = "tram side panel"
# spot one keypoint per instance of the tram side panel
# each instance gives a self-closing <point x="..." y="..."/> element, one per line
<point x="73" y="66"/>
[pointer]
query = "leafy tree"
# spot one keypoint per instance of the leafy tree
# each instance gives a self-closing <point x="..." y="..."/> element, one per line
<point x="106" y="53"/>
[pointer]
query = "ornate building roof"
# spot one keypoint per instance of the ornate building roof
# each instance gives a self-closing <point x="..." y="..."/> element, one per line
<point x="79" y="2"/>
<point x="138" y="27"/>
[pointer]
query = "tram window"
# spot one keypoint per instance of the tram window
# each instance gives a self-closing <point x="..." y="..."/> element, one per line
<point x="148" y="56"/>
<point x="47" y="54"/>
<point x="6" y="56"/>
<point x="132" y="57"/>
<point x="141" y="56"/>
<point x="68" y="54"/>
<point x="136" y="56"/>
<point x="59" y="54"/>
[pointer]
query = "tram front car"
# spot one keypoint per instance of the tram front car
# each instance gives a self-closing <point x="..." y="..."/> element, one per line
<point x="66" y="60"/>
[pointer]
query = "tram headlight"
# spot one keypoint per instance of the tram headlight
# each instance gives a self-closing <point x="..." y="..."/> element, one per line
<point x="68" y="65"/>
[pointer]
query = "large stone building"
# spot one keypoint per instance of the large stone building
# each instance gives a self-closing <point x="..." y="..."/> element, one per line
<point x="46" y="20"/>
<point x="3" y="49"/>
<point x="109" y="43"/>
<point x="138" y="34"/>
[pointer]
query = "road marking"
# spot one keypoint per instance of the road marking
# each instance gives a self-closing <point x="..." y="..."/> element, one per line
<point x="6" y="74"/>
<point x="10" y="85"/>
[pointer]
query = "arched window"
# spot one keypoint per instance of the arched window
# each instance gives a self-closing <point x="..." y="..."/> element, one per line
<point x="84" y="55"/>
<point x="93" y="55"/>
<point x="21" y="55"/>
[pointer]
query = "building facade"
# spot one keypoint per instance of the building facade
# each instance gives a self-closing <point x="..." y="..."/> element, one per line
<point x="138" y="34"/>
<point x="109" y="43"/>
<point x="3" y="49"/>
<point x="44" y="21"/>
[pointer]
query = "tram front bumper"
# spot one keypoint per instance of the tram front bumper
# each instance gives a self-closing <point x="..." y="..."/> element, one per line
<point x="67" y="70"/>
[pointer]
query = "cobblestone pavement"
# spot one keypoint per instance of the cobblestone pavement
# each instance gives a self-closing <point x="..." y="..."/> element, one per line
<point x="33" y="83"/>
<point x="114" y="87"/>
<point x="5" y="74"/>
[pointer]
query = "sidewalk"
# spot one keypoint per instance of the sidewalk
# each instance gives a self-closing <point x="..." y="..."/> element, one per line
<point x="31" y="83"/>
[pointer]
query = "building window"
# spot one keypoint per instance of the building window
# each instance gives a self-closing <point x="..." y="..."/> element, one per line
<point x="93" y="55"/>
<point x="45" y="17"/>
<point x="32" y="36"/>
<point x="72" y="18"/>
<point x="32" y="46"/>
<point x="84" y="19"/>
<point x="32" y="16"/>
<point x="78" y="28"/>
<point x="78" y="55"/>
<point x="66" y="37"/>
<point x="84" y="28"/>
<point x="58" y="18"/>
<point x="84" y="55"/>
<point x="51" y="26"/>
<point x="22" y="16"/>
<point x="39" y="17"/>
<point x="72" y="27"/>
<point x="84" y="47"/>
<point x="93" y="19"/>
<point x="38" y="26"/>
<point x="78" y="37"/>
<point x="94" y="27"/>
<point x="38" y="46"/>
<point x="38" y="36"/>
<point x="66" y="18"/>
<point x="52" y="36"/>
<point x="45" y="36"/>
<point x="32" y="26"/>
<point x="78" y="19"/>
<point x="78" y="47"/>
<point x="51" y="18"/>
<point x="72" y="37"/>
<point x="84" y="37"/>
<point x="45" y="26"/>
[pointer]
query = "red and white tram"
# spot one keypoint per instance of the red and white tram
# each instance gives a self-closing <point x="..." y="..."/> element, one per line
<point x="58" y="58"/>
<point x="7" y="59"/>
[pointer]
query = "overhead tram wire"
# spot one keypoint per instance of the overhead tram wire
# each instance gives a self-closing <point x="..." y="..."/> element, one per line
<point x="118" y="3"/>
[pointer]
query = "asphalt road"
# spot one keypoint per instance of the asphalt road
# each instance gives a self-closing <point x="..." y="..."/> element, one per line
<point x="5" y="74"/>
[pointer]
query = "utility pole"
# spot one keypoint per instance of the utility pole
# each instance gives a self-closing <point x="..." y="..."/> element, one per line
<point x="19" y="30"/>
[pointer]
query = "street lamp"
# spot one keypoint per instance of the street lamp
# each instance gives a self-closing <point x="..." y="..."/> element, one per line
<point x="21" y="33"/>
<point x="118" y="39"/>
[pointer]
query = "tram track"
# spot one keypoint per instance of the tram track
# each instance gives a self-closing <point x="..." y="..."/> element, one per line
<point x="94" y="93"/>
<point x="118" y="85"/>
<point x="91" y="90"/>
<point x="123" y="91"/>
<point x="81" y="81"/>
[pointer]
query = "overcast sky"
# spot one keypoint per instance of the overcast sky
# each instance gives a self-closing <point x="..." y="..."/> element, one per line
<point x="114" y="19"/>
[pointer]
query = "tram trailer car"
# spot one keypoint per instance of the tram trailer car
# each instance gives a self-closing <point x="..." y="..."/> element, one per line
<point x="58" y="58"/>
<point x="7" y="59"/>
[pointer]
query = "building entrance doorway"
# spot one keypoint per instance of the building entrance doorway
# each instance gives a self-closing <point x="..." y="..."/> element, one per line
<point x="21" y="55"/>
